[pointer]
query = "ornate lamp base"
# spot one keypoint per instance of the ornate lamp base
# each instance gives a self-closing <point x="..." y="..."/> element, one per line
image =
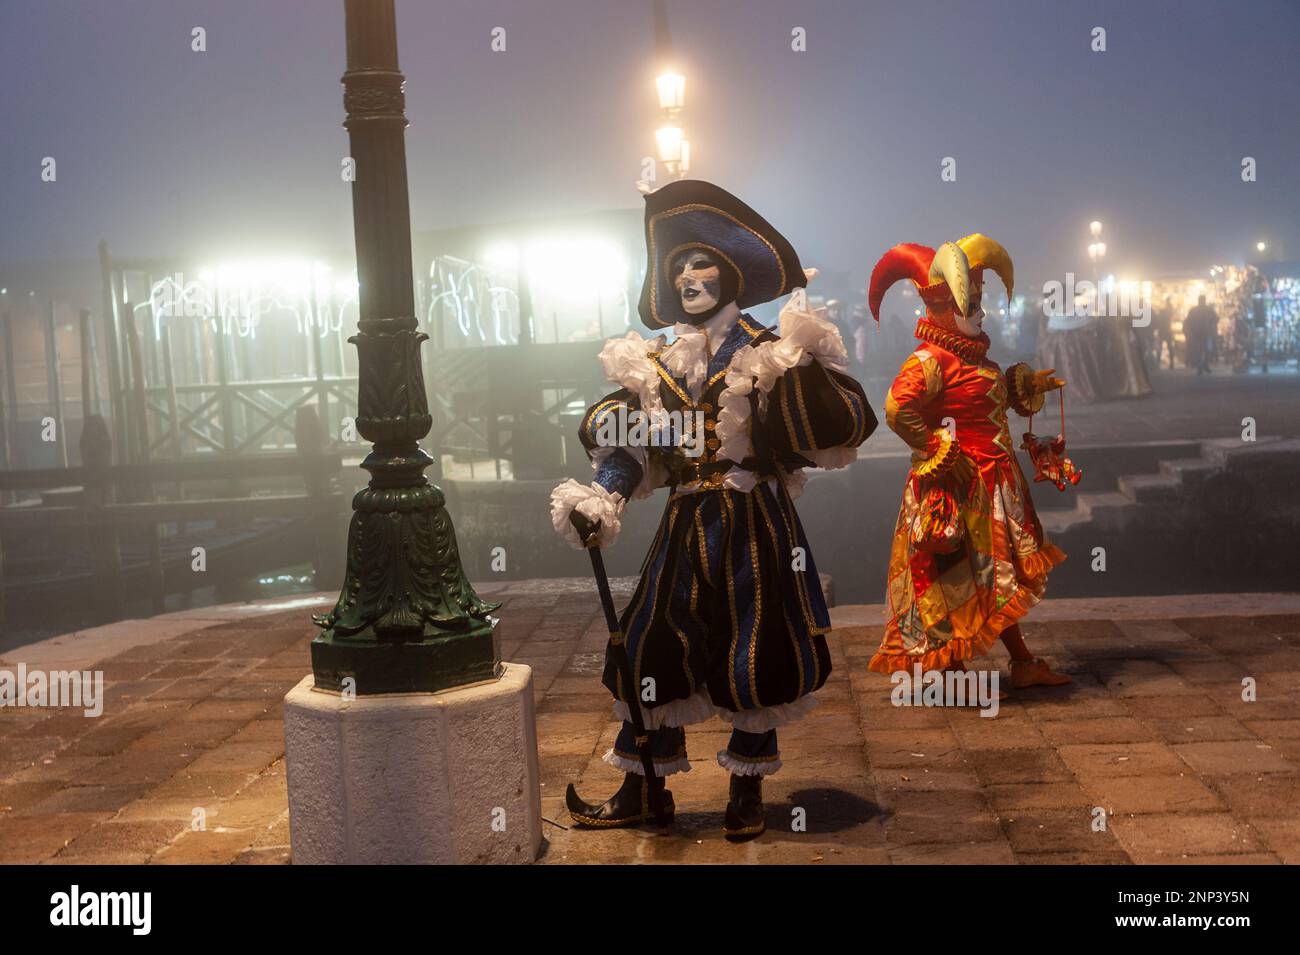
<point x="423" y="666"/>
<point x="407" y="620"/>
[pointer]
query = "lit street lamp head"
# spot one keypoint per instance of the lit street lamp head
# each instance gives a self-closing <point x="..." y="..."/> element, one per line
<point x="672" y="91"/>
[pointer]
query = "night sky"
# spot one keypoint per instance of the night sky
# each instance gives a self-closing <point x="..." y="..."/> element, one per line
<point x="225" y="153"/>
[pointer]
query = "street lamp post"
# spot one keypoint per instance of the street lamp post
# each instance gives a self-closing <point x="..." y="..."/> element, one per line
<point x="670" y="139"/>
<point x="407" y="619"/>
<point x="1096" y="248"/>
<point x="1096" y="254"/>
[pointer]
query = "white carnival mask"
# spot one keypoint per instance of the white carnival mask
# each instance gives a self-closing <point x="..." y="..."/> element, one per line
<point x="698" y="280"/>
<point x="971" y="325"/>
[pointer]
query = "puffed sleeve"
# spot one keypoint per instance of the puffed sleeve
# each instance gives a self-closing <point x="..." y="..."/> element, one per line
<point x="813" y="410"/>
<point x="616" y="468"/>
<point x="622" y="470"/>
<point x="919" y="382"/>
<point x="618" y="472"/>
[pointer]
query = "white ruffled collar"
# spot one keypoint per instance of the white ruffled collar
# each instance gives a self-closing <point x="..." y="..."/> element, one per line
<point x="688" y="356"/>
<point x="715" y="328"/>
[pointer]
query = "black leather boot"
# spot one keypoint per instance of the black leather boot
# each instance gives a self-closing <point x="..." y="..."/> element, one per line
<point x="630" y="806"/>
<point x="744" y="819"/>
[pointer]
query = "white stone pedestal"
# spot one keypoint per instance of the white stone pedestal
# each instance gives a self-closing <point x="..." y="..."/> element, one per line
<point x="445" y="777"/>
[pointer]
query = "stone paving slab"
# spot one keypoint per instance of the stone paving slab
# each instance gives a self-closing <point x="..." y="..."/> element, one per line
<point x="1152" y="755"/>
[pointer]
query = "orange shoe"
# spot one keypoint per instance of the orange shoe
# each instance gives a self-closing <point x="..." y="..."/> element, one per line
<point x="1035" y="672"/>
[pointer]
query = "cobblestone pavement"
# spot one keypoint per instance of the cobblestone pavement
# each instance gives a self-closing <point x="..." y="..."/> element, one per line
<point x="1154" y="731"/>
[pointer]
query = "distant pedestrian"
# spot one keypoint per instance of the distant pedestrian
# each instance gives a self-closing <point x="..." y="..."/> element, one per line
<point x="1243" y="340"/>
<point x="1200" y="328"/>
<point x="1163" y="335"/>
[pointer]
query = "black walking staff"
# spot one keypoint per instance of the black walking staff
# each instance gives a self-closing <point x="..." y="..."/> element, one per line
<point x="618" y="651"/>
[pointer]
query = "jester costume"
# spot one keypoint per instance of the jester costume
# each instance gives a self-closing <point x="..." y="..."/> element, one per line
<point x="728" y="618"/>
<point x="951" y="597"/>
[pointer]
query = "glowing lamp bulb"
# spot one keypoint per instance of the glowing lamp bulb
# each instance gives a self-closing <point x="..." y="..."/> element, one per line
<point x="672" y="90"/>
<point x="669" y="140"/>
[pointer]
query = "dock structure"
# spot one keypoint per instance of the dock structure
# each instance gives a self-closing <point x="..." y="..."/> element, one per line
<point x="141" y="399"/>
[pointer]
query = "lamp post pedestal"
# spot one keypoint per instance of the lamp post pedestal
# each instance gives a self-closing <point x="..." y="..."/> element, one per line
<point x="414" y="779"/>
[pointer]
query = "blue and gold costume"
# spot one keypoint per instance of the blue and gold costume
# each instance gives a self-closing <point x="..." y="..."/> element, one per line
<point x="728" y="618"/>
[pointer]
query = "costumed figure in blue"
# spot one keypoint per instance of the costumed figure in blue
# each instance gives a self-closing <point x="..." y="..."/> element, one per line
<point x="728" y="618"/>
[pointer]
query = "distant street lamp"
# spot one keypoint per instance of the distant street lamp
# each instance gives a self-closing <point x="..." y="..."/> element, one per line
<point x="672" y="91"/>
<point x="674" y="150"/>
<point x="1096" y="248"/>
<point x="1096" y="255"/>
<point x="408" y="620"/>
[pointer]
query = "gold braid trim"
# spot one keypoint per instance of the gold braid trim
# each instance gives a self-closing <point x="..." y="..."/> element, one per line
<point x="1020" y="390"/>
<point x="944" y="458"/>
<point x="626" y="822"/>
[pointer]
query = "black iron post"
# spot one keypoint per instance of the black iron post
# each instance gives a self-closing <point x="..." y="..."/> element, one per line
<point x="407" y="619"/>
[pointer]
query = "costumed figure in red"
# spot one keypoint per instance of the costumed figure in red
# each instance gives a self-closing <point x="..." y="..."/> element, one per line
<point x="969" y="556"/>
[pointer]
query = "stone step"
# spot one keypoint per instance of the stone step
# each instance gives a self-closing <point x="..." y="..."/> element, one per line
<point x="1219" y="450"/>
<point x="1150" y="488"/>
<point x="1056" y="523"/>
<point x="1269" y="455"/>
<point x="1185" y="469"/>
<point x="1105" y="506"/>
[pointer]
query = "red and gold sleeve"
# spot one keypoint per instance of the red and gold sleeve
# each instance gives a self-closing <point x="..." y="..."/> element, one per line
<point x="919" y="383"/>
<point x="1020" y="390"/>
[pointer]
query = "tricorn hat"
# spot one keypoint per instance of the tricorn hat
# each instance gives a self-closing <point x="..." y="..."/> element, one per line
<point x="693" y="214"/>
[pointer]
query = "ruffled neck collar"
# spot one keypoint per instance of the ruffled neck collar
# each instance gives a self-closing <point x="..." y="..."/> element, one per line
<point x="714" y="329"/>
<point x="693" y="345"/>
<point x="971" y="350"/>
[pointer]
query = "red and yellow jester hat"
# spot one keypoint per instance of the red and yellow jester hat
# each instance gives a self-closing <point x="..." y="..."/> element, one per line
<point x="941" y="277"/>
<point x="950" y="279"/>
